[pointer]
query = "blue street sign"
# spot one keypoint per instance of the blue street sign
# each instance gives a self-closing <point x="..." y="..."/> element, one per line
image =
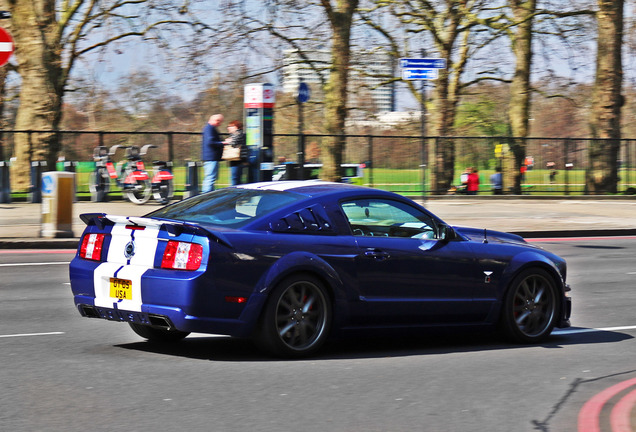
<point x="419" y="74"/>
<point x="424" y="63"/>
<point x="303" y="93"/>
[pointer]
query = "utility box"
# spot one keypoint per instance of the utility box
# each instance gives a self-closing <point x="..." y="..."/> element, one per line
<point x="57" y="204"/>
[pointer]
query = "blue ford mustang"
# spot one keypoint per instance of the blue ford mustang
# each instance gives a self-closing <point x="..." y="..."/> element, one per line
<point x="289" y="263"/>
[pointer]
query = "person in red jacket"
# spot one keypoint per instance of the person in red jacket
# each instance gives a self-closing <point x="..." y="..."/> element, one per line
<point x="472" y="186"/>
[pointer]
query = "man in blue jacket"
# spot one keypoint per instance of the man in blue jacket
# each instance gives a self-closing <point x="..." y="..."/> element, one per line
<point x="211" y="152"/>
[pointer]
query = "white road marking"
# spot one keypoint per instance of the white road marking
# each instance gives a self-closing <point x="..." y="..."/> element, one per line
<point x="590" y="330"/>
<point x="33" y="264"/>
<point x="32" y="334"/>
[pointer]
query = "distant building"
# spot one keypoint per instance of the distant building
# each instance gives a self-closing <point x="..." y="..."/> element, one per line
<point x="367" y="93"/>
<point x="386" y="120"/>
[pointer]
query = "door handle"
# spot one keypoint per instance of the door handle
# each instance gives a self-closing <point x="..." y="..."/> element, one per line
<point x="376" y="254"/>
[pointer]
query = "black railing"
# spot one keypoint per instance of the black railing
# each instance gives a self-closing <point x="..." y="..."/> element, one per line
<point x="393" y="162"/>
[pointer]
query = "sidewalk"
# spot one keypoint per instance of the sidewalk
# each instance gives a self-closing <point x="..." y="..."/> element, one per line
<point x="564" y="216"/>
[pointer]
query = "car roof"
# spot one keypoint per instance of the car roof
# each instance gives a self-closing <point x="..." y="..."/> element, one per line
<point x="313" y="188"/>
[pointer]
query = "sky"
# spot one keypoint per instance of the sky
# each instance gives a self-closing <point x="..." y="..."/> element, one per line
<point x="117" y="61"/>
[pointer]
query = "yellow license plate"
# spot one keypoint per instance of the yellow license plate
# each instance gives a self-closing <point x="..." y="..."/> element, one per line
<point x="121" y="289"/>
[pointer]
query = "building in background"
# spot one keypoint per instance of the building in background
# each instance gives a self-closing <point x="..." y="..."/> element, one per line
<point x="369" y="71"/>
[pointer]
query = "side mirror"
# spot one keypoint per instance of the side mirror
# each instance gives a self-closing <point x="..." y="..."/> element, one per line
<point x="446" y="233"/>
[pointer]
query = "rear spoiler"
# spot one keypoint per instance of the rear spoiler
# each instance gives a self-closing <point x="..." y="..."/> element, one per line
<point x="173" y="228"/>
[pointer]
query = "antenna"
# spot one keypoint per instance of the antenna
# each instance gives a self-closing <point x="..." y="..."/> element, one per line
<point x="485" y="236"/>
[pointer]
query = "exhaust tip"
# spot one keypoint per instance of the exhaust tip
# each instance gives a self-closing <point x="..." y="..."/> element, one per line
<point x="160" y="321"/>
<point x="88" y="311"/>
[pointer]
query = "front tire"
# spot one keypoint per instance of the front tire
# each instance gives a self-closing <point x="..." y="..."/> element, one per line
<point x="157" y="334"/>
<point x="296" y="319"/>
<point x="530" y="307"/>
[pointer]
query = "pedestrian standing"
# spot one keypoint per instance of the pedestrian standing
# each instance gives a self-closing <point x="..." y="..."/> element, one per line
<point x="472" y="186"/>
<point x="211" y="152"/>
<point x="496" y="182"/>
<point x="237" y="140"/>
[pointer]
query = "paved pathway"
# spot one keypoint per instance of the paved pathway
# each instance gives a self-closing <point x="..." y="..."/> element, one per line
<point x="20" y="222"/>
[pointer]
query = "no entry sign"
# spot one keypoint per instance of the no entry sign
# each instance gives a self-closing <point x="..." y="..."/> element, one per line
<point x="6" y="46"/>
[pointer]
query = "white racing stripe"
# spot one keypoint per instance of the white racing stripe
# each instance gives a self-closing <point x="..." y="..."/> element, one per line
<point x="282" y="185"/>
<point x="117" y="265"/>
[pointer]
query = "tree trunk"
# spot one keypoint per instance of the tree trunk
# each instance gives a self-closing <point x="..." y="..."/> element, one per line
<point x="520" y="92"/>
<point x="39" y="66"/>
<point x="340" y="18"/>
<point x="607" y="100"/>
<point x="442" y="155"/>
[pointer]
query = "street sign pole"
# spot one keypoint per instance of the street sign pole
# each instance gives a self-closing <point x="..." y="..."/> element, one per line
<point x="301" y="98"/>
<point x="424" y="140"/>
<point x="300" y="151"/>
<point x="423" y="69"/>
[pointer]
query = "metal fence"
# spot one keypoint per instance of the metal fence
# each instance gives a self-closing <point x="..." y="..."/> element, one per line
<point x="393" y="162"/>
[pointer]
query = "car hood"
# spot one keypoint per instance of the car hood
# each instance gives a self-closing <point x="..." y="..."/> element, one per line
<point x="491" y="236"/>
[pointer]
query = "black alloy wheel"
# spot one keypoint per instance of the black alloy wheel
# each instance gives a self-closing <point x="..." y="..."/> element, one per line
<point x="531" y="307"/>
<point x="297" y="317"/>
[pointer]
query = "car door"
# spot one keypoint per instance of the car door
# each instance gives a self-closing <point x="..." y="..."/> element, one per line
<point x="405" y="274"/>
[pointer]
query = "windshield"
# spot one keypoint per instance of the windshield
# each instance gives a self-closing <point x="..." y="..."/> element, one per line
<point x="230" y="207"/>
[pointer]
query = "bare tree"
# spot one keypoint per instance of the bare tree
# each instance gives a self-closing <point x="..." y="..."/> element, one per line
<point x="340" y="16"/>
<point x="305" y="26"/>
<point x="448" y="25"/>
<point x="607" y="100"/>
<point x="49" y="37"/>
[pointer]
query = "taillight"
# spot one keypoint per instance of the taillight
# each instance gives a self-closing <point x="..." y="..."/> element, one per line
<point x="182" y="256"/>
<point x="92" y="247"/>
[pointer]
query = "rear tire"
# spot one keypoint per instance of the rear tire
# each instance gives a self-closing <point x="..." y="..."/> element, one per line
<point x="138" y="193"/>
<point x="296" y="319"/>
<point x="530" y="307"/>
<point x="157" y="334"/>
<point x="163" y="191"/>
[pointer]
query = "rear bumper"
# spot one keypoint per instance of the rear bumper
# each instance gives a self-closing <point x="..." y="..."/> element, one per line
<point x="175" y="318"/>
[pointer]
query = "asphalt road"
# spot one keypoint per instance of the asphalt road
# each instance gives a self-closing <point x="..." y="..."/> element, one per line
<point x="62" y="372"/>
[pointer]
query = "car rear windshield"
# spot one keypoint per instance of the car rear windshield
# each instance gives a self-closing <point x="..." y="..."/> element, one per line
<point x="230" y="207"/>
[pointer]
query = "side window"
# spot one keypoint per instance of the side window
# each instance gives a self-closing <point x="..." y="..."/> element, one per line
<point x="387" y="218"/>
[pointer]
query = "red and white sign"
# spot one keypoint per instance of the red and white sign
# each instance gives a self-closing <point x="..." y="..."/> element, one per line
<point x="6" y="46"/>
<point x="259" y="96"/>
